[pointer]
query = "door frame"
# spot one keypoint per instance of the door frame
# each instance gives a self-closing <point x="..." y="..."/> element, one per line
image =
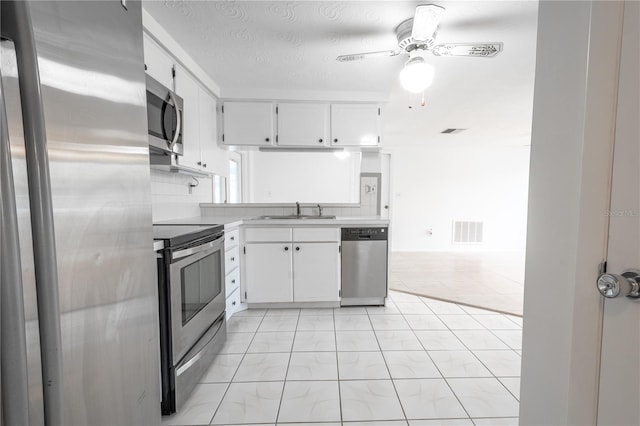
<point x="575" y="96"/>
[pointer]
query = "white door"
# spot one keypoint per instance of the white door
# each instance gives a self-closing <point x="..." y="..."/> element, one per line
<point x="385" y="190"/>
<point x="209" y="154"/>
<point x="619" y="393"/>
<point x="303" y="124"/>
<point x="158" y="63"/>
<point x="355" y="125"/>
<point x="187" y="88"/>
<point x="268" y="274"/>
<point x="248" y="123"/>
<point x="316" y="272"/>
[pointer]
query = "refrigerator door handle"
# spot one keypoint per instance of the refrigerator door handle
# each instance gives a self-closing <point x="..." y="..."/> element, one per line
<point x="17" y="26"/>
<point x="13" y="352"/>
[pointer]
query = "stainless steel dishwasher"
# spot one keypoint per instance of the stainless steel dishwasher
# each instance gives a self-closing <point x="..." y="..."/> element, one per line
<point x="364" y="266"/>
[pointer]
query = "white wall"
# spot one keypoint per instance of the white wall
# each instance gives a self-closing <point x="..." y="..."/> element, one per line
<point x="307" y="177"/>
<point x="436" y="183"/>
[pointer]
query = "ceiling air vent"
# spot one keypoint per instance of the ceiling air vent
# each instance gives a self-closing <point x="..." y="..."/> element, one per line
<point x="452" y="131"/>
<point x="466" y="232"/>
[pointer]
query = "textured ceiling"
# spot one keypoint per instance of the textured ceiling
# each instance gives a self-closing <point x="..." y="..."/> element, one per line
<point x="291" y="46"/>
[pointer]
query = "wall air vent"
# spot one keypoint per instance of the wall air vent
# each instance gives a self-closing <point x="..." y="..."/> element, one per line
<point x="452" y="131"/>
<point x="466" y="232"/>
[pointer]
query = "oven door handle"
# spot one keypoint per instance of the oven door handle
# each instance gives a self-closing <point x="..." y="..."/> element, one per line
<point x="193" y="250"/>
<point x="196" y="352"/>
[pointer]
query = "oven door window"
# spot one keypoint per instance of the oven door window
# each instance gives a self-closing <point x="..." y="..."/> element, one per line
<point x="201" y="282"/>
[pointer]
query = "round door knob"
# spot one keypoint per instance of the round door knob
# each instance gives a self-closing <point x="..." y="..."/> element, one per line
<point x="266" y="139"/>
<point x="335" y="140"/>
<point x="297" y="248"/>
<point x="286" y="249"/>
<point x="611" y="285"/>
<point x="320" y="140"/>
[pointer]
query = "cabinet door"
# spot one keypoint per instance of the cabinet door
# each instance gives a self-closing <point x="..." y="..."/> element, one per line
<point x="208" y="130"/>
<point x="302" y="124"/>
<point x="187" y="88"/>
<point x="248" y="123"/>
<point x="316" y="272"/>
<point x="355" y="125"/>
<point x="268" y="274"/>
<point x="159" y="63"/>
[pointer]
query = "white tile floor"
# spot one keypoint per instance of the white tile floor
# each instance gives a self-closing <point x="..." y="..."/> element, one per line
<point x="414" y="362"/>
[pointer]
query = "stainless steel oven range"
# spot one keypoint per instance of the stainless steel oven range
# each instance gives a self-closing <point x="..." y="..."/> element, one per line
<point x="191" y="295"/>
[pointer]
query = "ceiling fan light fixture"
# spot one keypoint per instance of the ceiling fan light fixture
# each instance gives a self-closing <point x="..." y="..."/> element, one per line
<point x="416" y="75"/>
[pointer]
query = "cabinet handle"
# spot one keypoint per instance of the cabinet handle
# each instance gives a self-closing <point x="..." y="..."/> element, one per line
<point x="199" y="163"/>
<point x="233" y="259"/>
<point x="320" y="140"/>
<point x="204" y="165"/>
<point x="266" y="139"/>
<point x="286" y="248"/>
<point x="297" y="248"/>
<point x="233" y="281"/>
<point x="233" y="303"/>
<point x="335" y="140"/>
<point x="233" y="238"/>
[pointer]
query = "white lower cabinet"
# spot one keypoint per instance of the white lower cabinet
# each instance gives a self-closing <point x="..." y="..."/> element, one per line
<point x="316" y="272"/>
<point x="268" y="272"/>
<point x="305" y="268"/>
<point x="232" y="272"/>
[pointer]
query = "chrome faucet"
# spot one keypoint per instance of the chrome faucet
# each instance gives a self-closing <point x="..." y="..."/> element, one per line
<point x="319" y="210"/>
<point x="297" y="208"/>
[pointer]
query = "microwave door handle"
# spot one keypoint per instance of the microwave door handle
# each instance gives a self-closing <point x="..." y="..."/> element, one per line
<point x="12" y="322"/>
<point x="17" y="26"/>
<point x="176" y="135"/>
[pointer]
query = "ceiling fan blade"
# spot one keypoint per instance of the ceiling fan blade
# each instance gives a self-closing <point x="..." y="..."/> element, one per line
<point x="359" y="56"/>
<point x="425" y="21"/>
<point x="484" y="50"/>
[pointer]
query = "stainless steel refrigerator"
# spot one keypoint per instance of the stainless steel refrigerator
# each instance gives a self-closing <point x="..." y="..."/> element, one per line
<point x="79" y="320"/>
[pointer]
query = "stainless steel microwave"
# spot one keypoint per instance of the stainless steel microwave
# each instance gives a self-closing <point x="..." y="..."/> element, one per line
<point x="165" y="119"/>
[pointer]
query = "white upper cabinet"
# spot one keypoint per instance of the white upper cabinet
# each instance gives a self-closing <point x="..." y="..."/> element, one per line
<point x="187" y="88"/>
<point x="208" y="134"/>
<point x="302" y="124"/>
<point x="248" y="123"/>
<point x="158" y="64"/>
<point x="355" y="125"/>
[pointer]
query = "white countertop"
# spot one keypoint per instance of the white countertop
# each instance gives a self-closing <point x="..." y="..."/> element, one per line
<point x="230" y="222"/>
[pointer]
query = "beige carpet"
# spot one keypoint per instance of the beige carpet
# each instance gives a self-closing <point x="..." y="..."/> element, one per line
<point x="487" y="280"/>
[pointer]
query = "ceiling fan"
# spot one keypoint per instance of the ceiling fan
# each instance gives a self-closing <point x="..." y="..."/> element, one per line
<point x="416" y="36"/>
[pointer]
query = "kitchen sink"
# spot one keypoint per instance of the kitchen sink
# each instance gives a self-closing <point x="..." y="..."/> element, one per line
<point x="293" y="216"/>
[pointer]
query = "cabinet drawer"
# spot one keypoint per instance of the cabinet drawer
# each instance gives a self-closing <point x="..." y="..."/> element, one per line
<point x="267" y="235"/>
<point x="316" y="234"/>
<point x="232" y="281"/>
<point x="231" y="259"/>
<point x="233" y="304"/>
<point x="231" y="239"/>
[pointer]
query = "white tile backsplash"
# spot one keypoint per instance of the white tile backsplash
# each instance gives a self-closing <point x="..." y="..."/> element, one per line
<point x="170" y="195"/>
